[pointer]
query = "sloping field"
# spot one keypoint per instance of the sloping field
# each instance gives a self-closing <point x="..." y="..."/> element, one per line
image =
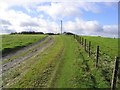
<point x="108" y="50"/>
<point x="107" y="45"/>
<point x="12" y="43"/>
<point x="59" y="61"/>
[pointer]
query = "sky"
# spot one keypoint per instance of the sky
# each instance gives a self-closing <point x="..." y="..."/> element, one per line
<point x="82" y="17"/>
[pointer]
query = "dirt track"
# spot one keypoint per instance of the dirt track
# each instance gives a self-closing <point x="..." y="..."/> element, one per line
<point x="26" y="53"/>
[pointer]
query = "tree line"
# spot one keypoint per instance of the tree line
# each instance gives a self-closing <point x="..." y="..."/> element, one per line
<point x="33" y="32"/>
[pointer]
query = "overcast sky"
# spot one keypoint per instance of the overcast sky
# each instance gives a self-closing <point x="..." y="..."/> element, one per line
<point x="83" y="17"/>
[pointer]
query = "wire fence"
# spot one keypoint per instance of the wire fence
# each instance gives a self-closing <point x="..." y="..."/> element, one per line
<point x="109" y="66"/>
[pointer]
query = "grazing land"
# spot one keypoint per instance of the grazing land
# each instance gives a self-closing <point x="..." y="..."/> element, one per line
<point x="107" y="45"/>
<point x="57" y="61"/>
<point x="13" y="42"/>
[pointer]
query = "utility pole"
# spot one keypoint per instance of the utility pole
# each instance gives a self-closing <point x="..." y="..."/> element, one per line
<point x="61" y="26"/>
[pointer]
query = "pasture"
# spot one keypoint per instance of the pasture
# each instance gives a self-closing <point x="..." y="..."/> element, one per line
<point x="13" y="42"/>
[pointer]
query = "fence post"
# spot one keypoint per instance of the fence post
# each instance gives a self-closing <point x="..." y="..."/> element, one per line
<point x="77" y="38"/>
<point x="89" y="48"/>
<point x="97" y="56"/>
<point x="85" y="45"/>
<point x="80" y="40"/>
<point x="74" y="36"/>
<point x="115" y="73"/>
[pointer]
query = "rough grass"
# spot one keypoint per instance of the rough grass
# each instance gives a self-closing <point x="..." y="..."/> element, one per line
<point x="108" y="51"/>
<point x="107" y="45"/>
<point x="14" y="42"/>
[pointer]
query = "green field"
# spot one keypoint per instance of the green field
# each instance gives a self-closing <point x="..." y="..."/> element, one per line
<point x="13" y="42"/>
<point x="107" y="45"/>
<point x="65" y="64"/>
<point x="108" y="51"/>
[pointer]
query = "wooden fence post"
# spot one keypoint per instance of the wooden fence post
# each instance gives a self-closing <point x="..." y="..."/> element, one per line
<point x="97" y="56"/>
<point x="74" y="36"/>
<point x="85" y="45"/>
<point x="115" y="73"/>
<point x="80" y="40"/>
<point x="89" y="48"/>
<point x="77" y="38"/>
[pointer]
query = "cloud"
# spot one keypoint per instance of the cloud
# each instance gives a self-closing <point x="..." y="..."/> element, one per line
<point x="28" y="2"/>
<point x="17" y="21"/>
<point x="4" y="22"/>
<point x="15" y="18"/>
<point x="82" y="26"/>
<point x="56" y="10"/>
<point x="26" y="24"/>
<point x="65" y="9"/>
<point x="6" y="29"/>
<point x="111" y="29"/>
